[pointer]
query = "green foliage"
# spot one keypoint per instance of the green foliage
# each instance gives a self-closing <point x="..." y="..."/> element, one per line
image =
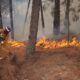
<point x="4" y="5"/>
<point x="63" y="2"/>
<point x="75" y="18"/>
<point x="74" y="10"/>
<point x="51" y="0"/>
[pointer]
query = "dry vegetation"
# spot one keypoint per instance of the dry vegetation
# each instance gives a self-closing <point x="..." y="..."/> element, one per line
<point x="46" y="64"/>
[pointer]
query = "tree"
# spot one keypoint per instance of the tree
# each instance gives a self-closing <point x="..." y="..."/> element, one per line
<point x="42" y="15"/>
<point x="66" y="22"/>
<point x="1" y="24"/>
<point x="33" y="27"/>
<point x="3" y="8"/>
<point x="56" y="22"/>
<point x="11" y="17"/>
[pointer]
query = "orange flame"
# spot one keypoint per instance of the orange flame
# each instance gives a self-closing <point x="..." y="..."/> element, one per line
<point x="15" y="43"/>
<point x="47" y="44"/>
<point x="44" y="43"/>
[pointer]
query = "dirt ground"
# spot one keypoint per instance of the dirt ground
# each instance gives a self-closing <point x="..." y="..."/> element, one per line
<point x="46" y="64"/>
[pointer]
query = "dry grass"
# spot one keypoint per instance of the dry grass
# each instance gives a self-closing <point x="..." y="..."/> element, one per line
<point x="58" y="64"/>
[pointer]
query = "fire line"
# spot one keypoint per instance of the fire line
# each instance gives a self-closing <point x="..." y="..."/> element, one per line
<point x="47" y="44"/>
<point x="44" y="43"/>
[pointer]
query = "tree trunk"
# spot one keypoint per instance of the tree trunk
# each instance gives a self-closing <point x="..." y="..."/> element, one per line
<point x="11" y="17"/>
<point x="56" y="17"/>
<point x="33" y="27"/>
<point x="27" y="11"/>
<point x="42" y="15"/>
<point x="1" y="24"/>
<point x="66" y="22"/>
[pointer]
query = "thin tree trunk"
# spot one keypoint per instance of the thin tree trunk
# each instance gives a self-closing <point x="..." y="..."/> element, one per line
<point x="33" y="27"/>
<point x="26" y="16"/>
<point x="27" y="11"/>
<point x="56" y="17"/>
<point x="42" y="15"/>
<point x="1" y="24"/>
<point x="66" y="23"/>
<point x="11" y="17"/>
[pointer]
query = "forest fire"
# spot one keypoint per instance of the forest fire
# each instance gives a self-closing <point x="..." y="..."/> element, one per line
<point x="15" y="43"/>
<point x="48" y="44"/>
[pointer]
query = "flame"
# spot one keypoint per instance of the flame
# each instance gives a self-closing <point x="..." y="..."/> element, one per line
<point x="47" y="44"/>
<point x="15" y="43"/>
<point x="44" y="43"/>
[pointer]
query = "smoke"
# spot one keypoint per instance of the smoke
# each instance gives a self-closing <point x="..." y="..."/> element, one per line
<point x="20" y="6"/>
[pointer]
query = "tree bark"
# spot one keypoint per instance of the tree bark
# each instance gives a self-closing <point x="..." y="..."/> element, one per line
<point x="1" y="24"/>
<point x="11" y="19"/>
<point x="33" y="27"/>
<point x="42" y="15"/>
<point x="67" y="22"/>
<point x="56" y="17"/>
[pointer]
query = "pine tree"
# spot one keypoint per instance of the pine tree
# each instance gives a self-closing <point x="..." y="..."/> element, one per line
<point x="1" y="24"/>
<point x="33" y="27"/>
<point x="11" y="19"/>
<point x="56" y="22"/>
<point x="66" y="22"/>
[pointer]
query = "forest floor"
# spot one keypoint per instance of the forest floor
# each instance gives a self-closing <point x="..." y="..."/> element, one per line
<point x="46" y="64"/>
